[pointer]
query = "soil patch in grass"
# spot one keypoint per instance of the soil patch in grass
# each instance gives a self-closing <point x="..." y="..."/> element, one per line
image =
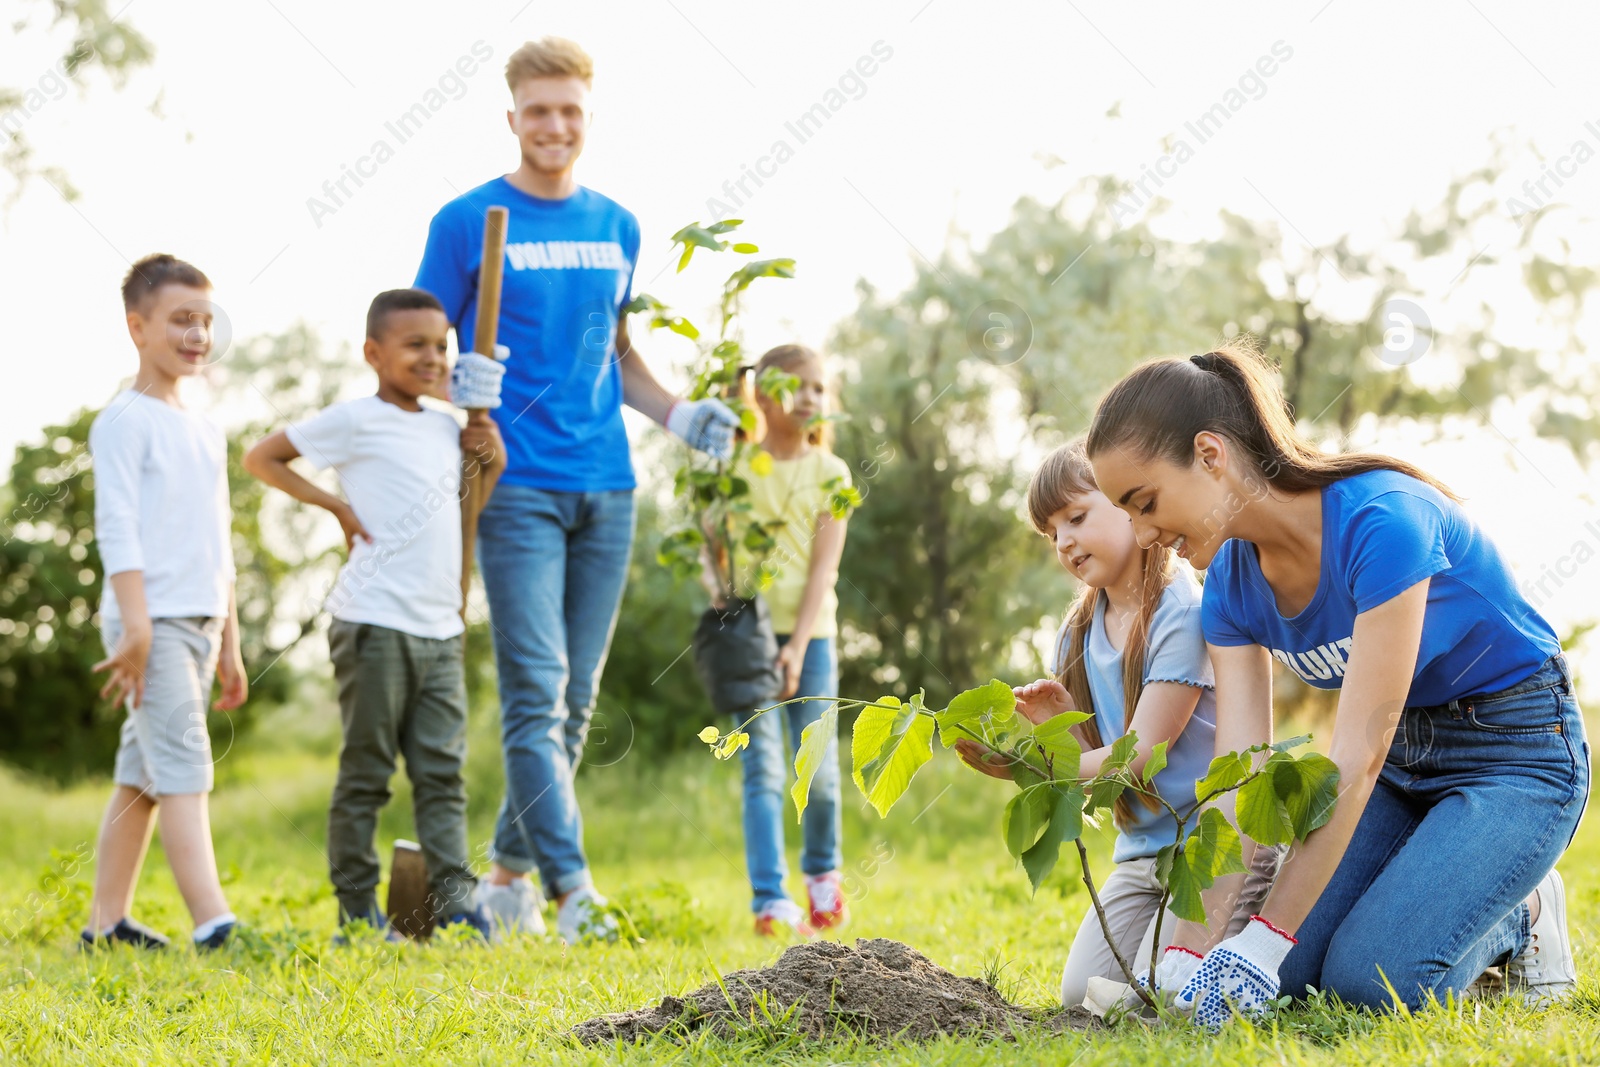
<point x="878" y="988"/>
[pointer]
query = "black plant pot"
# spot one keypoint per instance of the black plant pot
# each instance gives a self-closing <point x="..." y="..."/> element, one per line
<point x="736" y="656"/>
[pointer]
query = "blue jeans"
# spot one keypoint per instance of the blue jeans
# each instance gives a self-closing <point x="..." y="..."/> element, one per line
<point x="554" y="565"/>
<point x="1476" y="801"/>
<point x="766" y="781"/>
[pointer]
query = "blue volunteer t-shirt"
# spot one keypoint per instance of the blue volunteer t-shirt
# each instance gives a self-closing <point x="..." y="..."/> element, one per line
<point x="1175" y="651"/>
<point x="568" y="273"/>
<point x="1382" y="533"/>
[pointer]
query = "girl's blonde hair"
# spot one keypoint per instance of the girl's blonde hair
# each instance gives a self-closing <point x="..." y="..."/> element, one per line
<point x="786" y="358"/>
<point x="1064" y="474"/>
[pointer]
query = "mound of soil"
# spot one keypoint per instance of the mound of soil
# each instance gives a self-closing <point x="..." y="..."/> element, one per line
<point x="879" y="988"/>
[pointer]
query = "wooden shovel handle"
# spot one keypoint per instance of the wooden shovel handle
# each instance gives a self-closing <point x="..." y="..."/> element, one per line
<point x="475" y="484"/>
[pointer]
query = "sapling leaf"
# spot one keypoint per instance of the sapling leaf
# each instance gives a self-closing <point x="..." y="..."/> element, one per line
<point x="761" y="268"/>
<point x="1057" y="741"/>
<point x="1289" y="798"/>
<point x="1293" y="742"/>
<point x="1185" y="901"/>
<point x="813" y="747"/>
<point x="1122" y="752"/>
<point x="1066" y="823"/>
<point x="982" y="710"/>
<point x="745" y="248"/>
<point x="1026" y="816"/>
<point x="1104" y="792"/>
<point x="1164" y="858"/>
<point x="891" y="741"/>
<point x="682" y="327"/>
<point x="1212" y="850"/>
<point x="1311" y="802"/>
<point x="1225" y="773"/>
<point x="1214" y="847"/>
<point x="1156" y="763"/>
<point x="761" y="462"/>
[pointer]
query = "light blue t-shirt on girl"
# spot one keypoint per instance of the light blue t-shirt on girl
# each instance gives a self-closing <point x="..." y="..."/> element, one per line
<point x="1382" y="533"/>
<point x="568" y="273"/>
<point x="1175" y="651"/>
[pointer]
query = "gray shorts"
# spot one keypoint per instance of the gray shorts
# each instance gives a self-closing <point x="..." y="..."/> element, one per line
<point x="165" y="747"/>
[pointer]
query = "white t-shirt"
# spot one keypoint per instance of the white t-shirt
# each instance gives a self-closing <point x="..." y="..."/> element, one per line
<point x="161" y="506"/>
<point x="401" y="472"/>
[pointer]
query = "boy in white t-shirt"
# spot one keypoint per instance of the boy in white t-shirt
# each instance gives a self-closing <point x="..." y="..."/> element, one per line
<point x="396" y="635"/>
<point x="167" y="616"/>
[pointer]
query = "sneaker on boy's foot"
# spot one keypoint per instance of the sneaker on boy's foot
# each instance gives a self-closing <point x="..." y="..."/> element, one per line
<point x="1545" y="972"/>
<point x="827" y="900"/>
<point x="216" y="937"/>
<point x="783" y="917"/>
<point x="511" y="909"/>
<point x="474" y="920"/>
<point x="582" y="917"/>
<point x="126" y="932"/>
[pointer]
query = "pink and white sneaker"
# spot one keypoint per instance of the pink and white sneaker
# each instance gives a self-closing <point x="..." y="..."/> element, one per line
<point x="827" y="900"/>
<point x="782" y="918"/>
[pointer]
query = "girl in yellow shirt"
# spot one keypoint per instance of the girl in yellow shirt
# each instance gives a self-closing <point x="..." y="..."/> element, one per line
<point x="805" y="567"/>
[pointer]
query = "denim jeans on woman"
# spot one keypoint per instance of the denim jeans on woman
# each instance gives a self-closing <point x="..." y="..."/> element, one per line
<point x="766" y="783"/>
<point x="554" y="565"/>
<point x="1477" y="800"/>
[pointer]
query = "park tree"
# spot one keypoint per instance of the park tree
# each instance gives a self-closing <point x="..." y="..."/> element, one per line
<point x="78" y="37"/>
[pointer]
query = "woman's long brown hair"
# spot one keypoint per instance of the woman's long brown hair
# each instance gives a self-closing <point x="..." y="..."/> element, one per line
<point x="1064" y="474"/>
<point x="1157" y="410"/>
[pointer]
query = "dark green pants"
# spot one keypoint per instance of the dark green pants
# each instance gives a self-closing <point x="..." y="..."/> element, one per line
<point x="399" y="695"/>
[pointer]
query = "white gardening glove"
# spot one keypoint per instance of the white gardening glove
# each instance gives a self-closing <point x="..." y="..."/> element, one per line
<point x="707" y="425"/>
<point x="1240" y="973"/>
<point x="1177" y="966"/>
<point x="475" y="379"/>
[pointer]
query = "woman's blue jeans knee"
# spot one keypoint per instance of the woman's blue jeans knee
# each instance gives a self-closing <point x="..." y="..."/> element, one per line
<point x="554" y="566"/>
<point x="766" y="780"/>
<point x="1476" y="802"/>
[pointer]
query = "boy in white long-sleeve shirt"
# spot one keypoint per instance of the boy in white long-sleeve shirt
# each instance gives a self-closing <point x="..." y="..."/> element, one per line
<point x="168" y="616"/>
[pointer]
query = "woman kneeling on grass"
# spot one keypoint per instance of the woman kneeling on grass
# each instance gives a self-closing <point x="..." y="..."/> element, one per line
<point x="1130" y="653"/>
<point x="1463" y="761"/>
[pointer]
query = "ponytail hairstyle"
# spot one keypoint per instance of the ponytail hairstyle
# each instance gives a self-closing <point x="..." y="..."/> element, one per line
<point x="1066" y="473"/>
<point x="1233" y="392"/>
<point x="786" y="358"/>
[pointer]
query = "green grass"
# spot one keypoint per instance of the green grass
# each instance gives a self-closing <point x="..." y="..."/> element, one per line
<point x="664" y="841"/>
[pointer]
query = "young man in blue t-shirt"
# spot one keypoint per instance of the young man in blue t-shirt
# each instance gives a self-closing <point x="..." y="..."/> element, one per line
<point x="555" y="538"/>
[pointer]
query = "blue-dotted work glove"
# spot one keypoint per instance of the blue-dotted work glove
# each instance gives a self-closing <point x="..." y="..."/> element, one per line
<point x="1177" y="966"/>
<point x="1240" y="973"/>
<point x="707" y="425"/>
<point x="475" y="379"/>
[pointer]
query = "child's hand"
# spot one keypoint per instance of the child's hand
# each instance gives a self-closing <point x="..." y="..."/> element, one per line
<point x="481" y="441"/>
<point x="351" y="526"/>
<point x="235" y="683"/>
<point x="1041" y="700"/>
<point x="984" y="760"/>
<point x="790" y="659"/>
<point x="126" y="664"/>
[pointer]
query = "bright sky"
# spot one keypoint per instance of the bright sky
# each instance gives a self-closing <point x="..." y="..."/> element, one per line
<point x="1370" y="110"/>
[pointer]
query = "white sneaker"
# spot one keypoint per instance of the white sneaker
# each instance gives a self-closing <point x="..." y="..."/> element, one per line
<point x="512" y="909"/>
<point x="1545" y="972"/>
<point x="582" y="917"/>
